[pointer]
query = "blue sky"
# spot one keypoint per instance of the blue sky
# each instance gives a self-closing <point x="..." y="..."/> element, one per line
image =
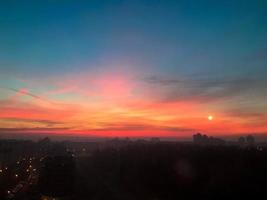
<point x="186" y="37"/>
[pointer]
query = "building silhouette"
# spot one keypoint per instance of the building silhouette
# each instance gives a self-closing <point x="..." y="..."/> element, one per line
<point x="202" y="139"/>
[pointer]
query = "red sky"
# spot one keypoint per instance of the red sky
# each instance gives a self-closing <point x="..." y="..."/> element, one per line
<point x="116" y="104"/>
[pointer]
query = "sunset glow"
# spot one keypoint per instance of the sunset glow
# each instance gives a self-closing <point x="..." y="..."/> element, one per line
<point x="138" y="76"/>
<point x="115" y="106"/>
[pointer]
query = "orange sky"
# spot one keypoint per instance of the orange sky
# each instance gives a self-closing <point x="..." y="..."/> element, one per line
<point x="114" y="104"/>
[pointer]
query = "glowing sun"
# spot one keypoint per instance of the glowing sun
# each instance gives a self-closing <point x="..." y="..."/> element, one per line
<point x="210" y="117"/>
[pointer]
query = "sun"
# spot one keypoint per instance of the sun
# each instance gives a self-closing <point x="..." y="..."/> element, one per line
<point x="210" y="117"/>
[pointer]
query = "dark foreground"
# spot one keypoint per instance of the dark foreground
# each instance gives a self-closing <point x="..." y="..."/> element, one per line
<point x="137" y="171"/>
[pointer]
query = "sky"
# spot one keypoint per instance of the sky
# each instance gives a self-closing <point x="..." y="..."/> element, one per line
<point x="132" y="68"/>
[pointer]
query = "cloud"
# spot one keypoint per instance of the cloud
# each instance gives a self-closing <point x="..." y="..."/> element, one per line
<point x="11" y="130"/>
<point x="207" y="89"/>
<point x="63" y="90"/>
<point x="25" y="92"/>
<point x="241" y="113"/>
<point x="37" y="112"/>
<point x="251" y="118"/>
<point x="258" y="55"/>
<point x="42" y="121"/>
<point x="139" y="126"/>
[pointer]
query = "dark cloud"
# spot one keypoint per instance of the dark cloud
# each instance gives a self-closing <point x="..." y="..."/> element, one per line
<point x="46" y="122"/>
<point x="258" y="55"/>
<point x="137" y="127"/>
<point x="24" y="92"/>
<point x="207" y="89"/>
<point x="254" y="117"/>
<point x="242" y="113"/>
<point x="4" y="130"/>
<point x="162" y="81"/>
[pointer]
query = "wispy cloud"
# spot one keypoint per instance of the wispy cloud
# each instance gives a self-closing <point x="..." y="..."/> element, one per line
<point x="42" y="121"/>
<point x="139" y="126"/>
<point x="5" y="130"/>
<point x="24" y="92"/>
